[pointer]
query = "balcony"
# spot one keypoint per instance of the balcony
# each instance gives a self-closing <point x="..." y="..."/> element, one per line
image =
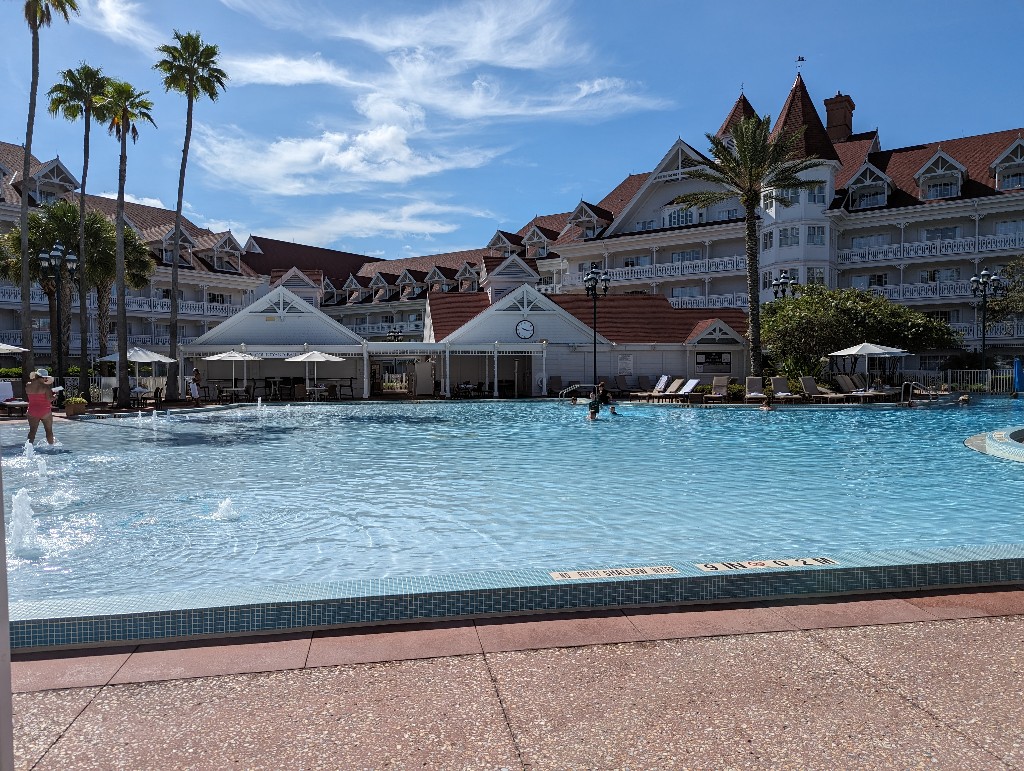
<point x="926" y="249"/>
<point x="1006" y="330"/>
<point x="956" y="290"/>
<point x="379" y="330"/>
<point x="10" y="296"/>
<point x="714" y="265"/>
<point x="41" y="341"/>
<point x="738" y="300"/>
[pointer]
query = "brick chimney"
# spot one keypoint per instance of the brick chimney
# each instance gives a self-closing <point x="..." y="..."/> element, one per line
<point x="839" y="117"/>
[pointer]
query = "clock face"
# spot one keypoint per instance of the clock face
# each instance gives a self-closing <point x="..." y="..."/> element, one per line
<point x="524" y="329"/>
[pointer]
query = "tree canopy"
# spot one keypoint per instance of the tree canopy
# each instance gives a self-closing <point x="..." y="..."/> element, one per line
<point x="799" y="331"/>
<point x="1010" y="304"/>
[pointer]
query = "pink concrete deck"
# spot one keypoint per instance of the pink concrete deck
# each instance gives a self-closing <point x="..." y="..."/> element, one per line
<point x="812" y="684"/>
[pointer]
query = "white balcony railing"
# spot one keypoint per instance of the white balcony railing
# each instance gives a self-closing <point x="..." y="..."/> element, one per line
<point x="1004" y="330"/>
<point x="734" y="264"/>
<point x="954" y="246"/>
<point x="366" y="330"/>
<point x="937" y="290"/>
<point x="41" y="341"/>
<point x="738" y="300"/>
<point x="11" y="296"/>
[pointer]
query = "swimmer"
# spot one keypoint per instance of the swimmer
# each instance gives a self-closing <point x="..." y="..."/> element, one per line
<point x="963" y="399"/>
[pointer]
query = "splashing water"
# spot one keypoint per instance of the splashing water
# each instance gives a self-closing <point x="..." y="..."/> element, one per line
<point x="41" y="467"/>
<point x="24" y="535"/>
<point x="30" y="451"/>
<point x="226" y="512"/>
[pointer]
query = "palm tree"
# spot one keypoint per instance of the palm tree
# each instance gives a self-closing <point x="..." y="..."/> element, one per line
<point x="80" y="95"/>
<point x="753" y="165"/>
<point x="190" y="67"/>
<point x="38" y="14"/>
<point x="101" y="270"/>
<point x="126" y="107"/>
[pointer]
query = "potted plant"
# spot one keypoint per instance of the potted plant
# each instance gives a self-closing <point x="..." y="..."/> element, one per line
<point x="74" y="405"/>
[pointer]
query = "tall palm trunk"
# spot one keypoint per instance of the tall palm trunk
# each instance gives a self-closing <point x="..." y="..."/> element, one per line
<point x="753" y="285"/>
<point x="103" y="316"/>
<point x="172" y="367"/>
<point x="28" y="358"/>
<point x="83" y="285"/>
<point x="123" y="395"/>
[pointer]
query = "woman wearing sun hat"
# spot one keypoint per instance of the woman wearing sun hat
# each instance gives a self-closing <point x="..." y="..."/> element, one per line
<point x="40" y="395"/>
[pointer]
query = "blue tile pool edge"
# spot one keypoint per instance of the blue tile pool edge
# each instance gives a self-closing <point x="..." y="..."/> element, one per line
<point x="62" y="624"/>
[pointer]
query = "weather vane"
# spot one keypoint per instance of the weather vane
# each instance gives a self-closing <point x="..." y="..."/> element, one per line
<point x="799" y="62"/>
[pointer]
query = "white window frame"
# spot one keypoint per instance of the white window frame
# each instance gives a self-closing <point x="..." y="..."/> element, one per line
<point x="817" y="194"/>
<point x="789" y="236"/>
<point x="815" y="235"/>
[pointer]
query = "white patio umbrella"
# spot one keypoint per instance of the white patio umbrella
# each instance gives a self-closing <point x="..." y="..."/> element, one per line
<point x="870" y="350"/>
<point x="313" y="356"/>
<point x="234" y="356"/>
<point x="5" y="348"/>
<point x="138" y="355"/>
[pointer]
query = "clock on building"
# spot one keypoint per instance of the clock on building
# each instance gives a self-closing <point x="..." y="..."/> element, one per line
<point x="525" y="329"/>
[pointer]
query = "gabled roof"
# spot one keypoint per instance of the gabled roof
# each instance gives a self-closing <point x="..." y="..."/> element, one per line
<point x="1016" y="149"/>
<point x="294" y="277"/>
<point x="382" y="279"/>
<point x="940" y="155"/>
<point x="426" y="262"/>
<point x="514" y="266"/>
<point x="799" y="111"/>
<point x="278" y="318"/>
<point x="740" y="110"/>
<point x="503" y="238"/>
<point x="267" y="254"/>
<point x="853" y="153"/>
<point x="551" y="225"/>
<point x="354" y="282"/>
<point x="715" y="330"/>
<point x="442" y="273"/>
<point x="409" y="276"/>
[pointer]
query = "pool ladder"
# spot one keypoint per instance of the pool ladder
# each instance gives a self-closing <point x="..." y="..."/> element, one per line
<point x="570" y="391"/>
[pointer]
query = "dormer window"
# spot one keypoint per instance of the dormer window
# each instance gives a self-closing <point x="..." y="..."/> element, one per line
<point x="1010" y="168"/>
<point x="678" y="217"/>
<point x="643" y="225"/>
<point x="790" y="195"/>
<point x="940" y="178"/>
<point x="868" y="189"/>
<point x="223" y="261"/>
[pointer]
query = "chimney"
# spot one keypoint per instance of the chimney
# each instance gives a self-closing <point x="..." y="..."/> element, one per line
<point x="839" y="117"/>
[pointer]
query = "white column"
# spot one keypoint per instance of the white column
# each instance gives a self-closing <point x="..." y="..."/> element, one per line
<point x="447" y="372"/>
<point x="495" y="369"/>
<point x="544" y="367"/>
<point x="366" y="371"/>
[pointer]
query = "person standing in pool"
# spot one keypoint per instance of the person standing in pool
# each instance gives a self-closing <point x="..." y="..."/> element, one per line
<point x="604" y="398"/>
<point x="40" y="396"/>
<point x="197" y="381"/>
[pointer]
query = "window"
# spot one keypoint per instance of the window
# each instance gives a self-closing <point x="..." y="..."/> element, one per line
<point x="46" y="196"/>
<point x="789" y="236"/>
<point x="940" y="274"/>
<point x="935" y="362"/>
<point x="866" y="242"/>
<point x="816" y="194"/>
<point x="878" y="279"/>
<point x="678" y="217"/>
<point x="387" y="319"/>
<point x="542" y="250"/>
<point x="766" y="279"/>
<point x="789" y="194"/>
<point x="767" y="202"/>
<point x="815" y="276"/>
<point x="686" y="291"/>
<point x="728" y="214"/>
<point x="165" y="294"/>
<point x="1009" y="227"/>
<point x="589" y="231"/>
<point x="816" y="235"/>
<point x="415" y="317"/>
<point x="644" y="225"/>
<point x="767" y="240"/>
<point x="687" y="255"/>
<point x="947" y="189"/>
<point x="868" y="197"/>
<point x="215" y="298"/>
<point x="636" y="262"/>
<point x="224" y="262"/>
<point x="941" y="234"/>
<point x="1014" y="180"/>
<point x="950" y="317"/>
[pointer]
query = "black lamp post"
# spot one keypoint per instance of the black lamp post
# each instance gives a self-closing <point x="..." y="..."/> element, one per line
<point x="394" y="335"/>
<point x="784" y="285"/>
<point x="985" y="284"/>
<point x="51" y="266"/>
<point x="590" y="282"/>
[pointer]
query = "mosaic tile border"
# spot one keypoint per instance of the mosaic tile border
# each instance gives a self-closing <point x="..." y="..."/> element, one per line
<point x="60" y="624"/>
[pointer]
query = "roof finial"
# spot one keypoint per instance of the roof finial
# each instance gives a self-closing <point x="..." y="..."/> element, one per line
<point x="799" y="63"/>
<point x="741" y="88"/>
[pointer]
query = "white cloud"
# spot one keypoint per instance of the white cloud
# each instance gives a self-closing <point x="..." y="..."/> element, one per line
<point x="121" y="21"/>
<point x="418" y="218"/>
<point x="143" y="200"/>
<point x="280" y="70"/>
<point x="329" y="163"/>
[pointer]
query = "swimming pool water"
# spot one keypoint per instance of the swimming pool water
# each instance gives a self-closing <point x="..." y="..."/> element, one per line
<point x="369" y="490"/>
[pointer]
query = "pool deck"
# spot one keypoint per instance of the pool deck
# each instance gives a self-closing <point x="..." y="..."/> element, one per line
<point x="878" y="681"/>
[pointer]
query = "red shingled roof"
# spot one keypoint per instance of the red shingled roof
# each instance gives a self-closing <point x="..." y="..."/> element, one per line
<point x="12" y="157"/>
<point x="623" y="193"/>
<point x="644" y="318"/>
<point x="447" y="260"/>
<point x="450" y="310"/>
<point x="742" y="109"/>
<point x="282" y="255"/>
<point x="799" y="111"/>
<point x="852" y="154"/>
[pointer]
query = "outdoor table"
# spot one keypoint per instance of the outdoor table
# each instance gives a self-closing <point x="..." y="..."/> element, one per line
<point x="235" y="392"/>
<point x="138" y="395"/>
<point x="15" y="404"/>
<point x="316" y="393"/>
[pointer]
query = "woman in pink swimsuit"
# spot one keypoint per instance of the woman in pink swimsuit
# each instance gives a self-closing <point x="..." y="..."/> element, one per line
<point x="40" y="395"/>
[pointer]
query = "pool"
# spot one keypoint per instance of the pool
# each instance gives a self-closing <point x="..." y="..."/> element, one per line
<point x="306" y="494"/>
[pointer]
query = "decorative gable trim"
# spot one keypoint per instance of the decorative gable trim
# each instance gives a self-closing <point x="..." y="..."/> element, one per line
<point x="1009" y="167"/>
<point x="677" y="161"/>
<point x="467" y="273"/>
<point x="940" y="164"/>
<point x="294" y="279"/>
<point x="715" y="332"/>
<point x="513" y="269"/>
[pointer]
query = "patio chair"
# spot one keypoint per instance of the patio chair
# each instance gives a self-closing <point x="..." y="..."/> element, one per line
<point x="224" y="396"/>
<point x="669" y="392"/>
<point x="621" y="386"/>
<point x="719" y="390"/>
<point x="755" y="390"/>
<point x="153" y="401"/>
<point x="299" y="392"/>
<point x="781" y="392"/>
<point x="684" y="393"/>
<point x="659" y="387"/>
<point x="817" y="394"/>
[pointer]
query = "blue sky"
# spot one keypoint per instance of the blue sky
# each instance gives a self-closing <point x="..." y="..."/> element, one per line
<point x="412" y="127"/>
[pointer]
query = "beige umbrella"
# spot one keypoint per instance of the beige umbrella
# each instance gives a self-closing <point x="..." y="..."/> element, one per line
<point x="234" y="356"/>
<point x="313" y="356"/>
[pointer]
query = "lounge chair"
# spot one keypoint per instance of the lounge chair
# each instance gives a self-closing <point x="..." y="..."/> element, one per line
<point x="554" y="385"/>
<point x="684" y="393"/>
<point x="818" y="395"/>
<point x="755" y="390"/>
<point x="621" y="386"/>
<point x="849" y="387"/>
<point x="669" y="392"/>
<point x="781" y="392"/>
<point x="659" y="388"/>
<point x="719" y="389"/>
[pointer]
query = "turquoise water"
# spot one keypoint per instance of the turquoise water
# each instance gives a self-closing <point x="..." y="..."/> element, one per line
<point x="367" y="490"/>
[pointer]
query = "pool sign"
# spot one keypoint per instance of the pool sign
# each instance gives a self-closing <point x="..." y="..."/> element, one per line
<point x="808" y="562"/>
<point x="658" y="570"/>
